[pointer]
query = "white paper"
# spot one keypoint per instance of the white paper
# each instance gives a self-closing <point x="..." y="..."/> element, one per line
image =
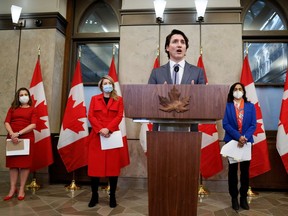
<point x="114" y="141"/>
<point x="24" y="151"/>
<point x="236" y="154"/>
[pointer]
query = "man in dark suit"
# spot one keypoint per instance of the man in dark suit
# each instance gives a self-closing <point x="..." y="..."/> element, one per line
<point x="176" y="46"/>
<point x="176" y="71"/>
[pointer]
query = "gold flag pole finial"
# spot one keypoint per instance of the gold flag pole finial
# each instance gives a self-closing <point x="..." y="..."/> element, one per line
<point x="247" y="47"/>
<point x="39" y="50"/>
<point x="158" y="51"/>
<point x="113" y="50"/>
<point x="79" y="52"/>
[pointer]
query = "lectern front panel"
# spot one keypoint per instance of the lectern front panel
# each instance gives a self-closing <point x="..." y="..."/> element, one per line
<point x="173" y="172"/>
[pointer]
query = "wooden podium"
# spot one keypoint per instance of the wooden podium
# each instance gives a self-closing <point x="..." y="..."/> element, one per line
<point x="174" y="157"/>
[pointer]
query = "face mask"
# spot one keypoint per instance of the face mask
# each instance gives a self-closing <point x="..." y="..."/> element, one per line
<point x="107" y="88"/>
<point x="24" y="99"/>
<point x="237" y="94"/>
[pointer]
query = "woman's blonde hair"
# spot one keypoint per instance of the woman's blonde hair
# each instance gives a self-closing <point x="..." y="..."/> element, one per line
<point x="113" y="94"/>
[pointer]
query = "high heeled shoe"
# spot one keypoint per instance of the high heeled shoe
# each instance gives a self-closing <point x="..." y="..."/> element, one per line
<point x="10" y="197"/>
<point x="20" y="198"/>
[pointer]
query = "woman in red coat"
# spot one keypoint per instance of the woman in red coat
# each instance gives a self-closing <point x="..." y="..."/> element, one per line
<point x="105" y="115"/>
<point x="20" y="121"/>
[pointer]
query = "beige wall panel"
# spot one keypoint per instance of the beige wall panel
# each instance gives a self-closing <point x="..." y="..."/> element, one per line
<point x="55" y="100"/>
<point x="52" y="51"/>
<point x="222" y="53"/>
<point x="138" y="161"/>
<point x="138" y="50"/>
<point x="9" y="41"/>
<point x="132" y="129"/>
<point x="2" y="155"/>
<point x="35" y="6"/>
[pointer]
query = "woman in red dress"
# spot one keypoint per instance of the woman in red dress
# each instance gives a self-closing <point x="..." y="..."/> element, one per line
<point x="20" y="121"/>
<point x="105" y="115"/>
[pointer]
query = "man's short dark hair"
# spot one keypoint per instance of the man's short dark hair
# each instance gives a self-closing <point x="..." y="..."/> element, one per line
<point x="168" y="39"/>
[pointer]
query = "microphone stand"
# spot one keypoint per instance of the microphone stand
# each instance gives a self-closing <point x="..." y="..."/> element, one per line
<point x="175" y="77"/>
<point x="176" y="69"/>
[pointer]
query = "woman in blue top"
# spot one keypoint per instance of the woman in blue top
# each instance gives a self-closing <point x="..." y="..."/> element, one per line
<point x="239" y="124"/>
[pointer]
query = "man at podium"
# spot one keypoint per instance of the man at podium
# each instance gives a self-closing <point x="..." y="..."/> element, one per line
<point x="176" y="71"/>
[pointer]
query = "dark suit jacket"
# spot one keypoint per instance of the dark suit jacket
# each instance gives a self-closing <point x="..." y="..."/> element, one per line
<point x="162" y="74"/>
<point x="230" y="124"/>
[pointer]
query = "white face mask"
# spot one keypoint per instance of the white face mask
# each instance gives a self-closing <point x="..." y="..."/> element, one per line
<point x="237" y="94"/>
<point x="24" y="99"/>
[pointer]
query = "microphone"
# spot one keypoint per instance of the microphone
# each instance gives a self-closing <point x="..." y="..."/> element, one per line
<point x="176" y="69"/>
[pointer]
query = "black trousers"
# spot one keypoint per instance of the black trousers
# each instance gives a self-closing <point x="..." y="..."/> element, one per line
<point x="95" y="184"/>
<point x="233" y="179"/>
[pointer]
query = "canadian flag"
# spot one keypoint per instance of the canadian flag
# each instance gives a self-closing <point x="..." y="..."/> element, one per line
<point x="211" y="161"/>
<point x="124" y="151"/>
<point x="73" y="139"/>
<point x="143" y="136"/>
<point x="43" y="156"/>
<point x="260" y="157"/>
<point x="282" y="134"/>
<point x="147" y="126"/>
<point x="201" y="65"/>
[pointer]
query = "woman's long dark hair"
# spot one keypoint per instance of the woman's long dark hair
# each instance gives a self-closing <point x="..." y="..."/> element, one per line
<point x="16" y="103"/>
<point x="230" y="97"/>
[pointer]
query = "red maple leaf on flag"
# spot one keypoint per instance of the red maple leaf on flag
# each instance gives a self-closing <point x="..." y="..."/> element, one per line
<point x="283" y="118"/>
<point x="41" y="111"/>
<point x="71" y="120"/>
<point x="207" y="128"/>
<point x="258" y="111"/>
<point x="41" y="107"/>
<point x="259" y="129"/>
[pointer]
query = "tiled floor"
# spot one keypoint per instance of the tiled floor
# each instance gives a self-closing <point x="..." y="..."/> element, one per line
<point x="132" y="198"/>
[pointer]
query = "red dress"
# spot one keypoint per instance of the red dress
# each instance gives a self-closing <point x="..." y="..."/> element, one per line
<point x="18" y="119"/>
<point x="102" y="163"/>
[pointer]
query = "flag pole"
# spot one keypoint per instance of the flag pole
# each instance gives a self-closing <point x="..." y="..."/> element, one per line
<point x="159" y="37"/>
<point x="33" y="185"/>
<point x="18" y="57"/>
<point x="202" y="191"/>
<point x="73" y="186"/>
<point x="250" y="193"/>
<point x="158" y="53"/>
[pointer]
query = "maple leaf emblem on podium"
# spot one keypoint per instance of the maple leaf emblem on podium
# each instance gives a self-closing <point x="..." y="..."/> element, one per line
<point x="174" y="103"/>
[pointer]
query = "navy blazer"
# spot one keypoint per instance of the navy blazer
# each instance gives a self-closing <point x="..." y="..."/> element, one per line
<point x="162" y="74"/>
<point x="230" y="124"/>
